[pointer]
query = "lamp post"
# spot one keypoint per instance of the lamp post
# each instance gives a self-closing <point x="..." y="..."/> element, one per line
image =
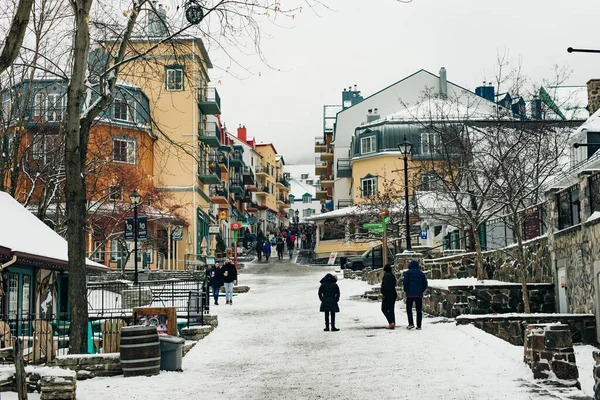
<point x="296" y="219"/>
<point x="405" y="148"/>
<point x="135" y="199"/>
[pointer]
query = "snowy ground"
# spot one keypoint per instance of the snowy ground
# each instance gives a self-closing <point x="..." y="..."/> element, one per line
<point x="270" y="345"/>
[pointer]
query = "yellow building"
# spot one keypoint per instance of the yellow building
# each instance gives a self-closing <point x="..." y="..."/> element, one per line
<point x="266" y="182"/>
<point x="185" y="114"/>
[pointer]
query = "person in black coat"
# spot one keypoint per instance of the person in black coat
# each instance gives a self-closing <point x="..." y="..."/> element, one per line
<point x="215" y="276"/>
<point x="388" y="291"/>
<point x="280" y="248"/>
<point x="229" y="279"/>
<point x="259" y="249"/>
<point x="329" y="294"/>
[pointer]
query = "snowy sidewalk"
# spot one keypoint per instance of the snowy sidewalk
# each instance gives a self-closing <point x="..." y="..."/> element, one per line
<point x="271" y="345"/>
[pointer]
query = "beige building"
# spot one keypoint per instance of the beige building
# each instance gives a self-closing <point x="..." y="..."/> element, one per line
<point x="185" y="114"/>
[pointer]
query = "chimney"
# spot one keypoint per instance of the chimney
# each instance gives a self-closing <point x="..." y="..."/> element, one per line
<point x="486" y="91"/>
<point x="593" y="87"/>
<point x="242" y="134"/>
<point x="443" y="83"/>
<point x="372" y="115"/>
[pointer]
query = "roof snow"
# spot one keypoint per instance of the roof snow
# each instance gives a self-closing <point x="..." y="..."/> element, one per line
<point x="25" y="234"/>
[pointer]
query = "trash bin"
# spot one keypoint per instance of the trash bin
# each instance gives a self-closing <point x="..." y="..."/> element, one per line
<point x="171" y="353"/>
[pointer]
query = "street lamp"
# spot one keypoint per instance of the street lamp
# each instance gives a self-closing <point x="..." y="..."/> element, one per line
<point x="296" y="220"/>
<point x="405" y="148"/>
<point x="135" y="199"/>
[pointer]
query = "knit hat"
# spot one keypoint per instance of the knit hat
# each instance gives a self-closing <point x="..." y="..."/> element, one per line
<point x="387" y="268"/>
<point x="414" y="264"/>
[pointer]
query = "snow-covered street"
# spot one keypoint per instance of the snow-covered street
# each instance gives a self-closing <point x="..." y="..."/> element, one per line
<point x="271" y="345"/>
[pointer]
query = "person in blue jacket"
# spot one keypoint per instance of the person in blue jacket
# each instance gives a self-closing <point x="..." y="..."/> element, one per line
<point x="267" y="250"/>
<point x="414" y="283"/>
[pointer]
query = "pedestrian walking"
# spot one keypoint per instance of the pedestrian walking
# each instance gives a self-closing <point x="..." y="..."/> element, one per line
<point x="215" y="276"/>
<point x="280" y="248"/>
<point x="293" y="239"/>
<point x="414" y="283"/>
<point x="267" y="250"/>
<point x="259" y="250"/>
<point x="388" y="291"/>
<point x="329" y="294"/>
<point x="290" y="246"/>
<point x="229" y="279"/>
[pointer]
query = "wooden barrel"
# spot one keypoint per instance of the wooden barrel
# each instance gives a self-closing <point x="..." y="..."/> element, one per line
<point x="140" y="351"/>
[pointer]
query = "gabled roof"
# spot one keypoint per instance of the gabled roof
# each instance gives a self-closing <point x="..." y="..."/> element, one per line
<point x="267" y="144"/>
<point x="28" y="238"/>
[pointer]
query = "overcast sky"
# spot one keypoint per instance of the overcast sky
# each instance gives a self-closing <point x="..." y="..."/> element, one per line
<point x="375" y="43"/>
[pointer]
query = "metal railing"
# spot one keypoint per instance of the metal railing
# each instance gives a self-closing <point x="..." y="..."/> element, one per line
<point x="117" y="299"/>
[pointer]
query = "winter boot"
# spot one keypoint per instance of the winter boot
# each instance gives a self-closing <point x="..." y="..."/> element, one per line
<point x="333" y="328"/>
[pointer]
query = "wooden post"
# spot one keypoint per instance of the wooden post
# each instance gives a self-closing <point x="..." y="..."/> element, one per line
<point x="20" y="375"/>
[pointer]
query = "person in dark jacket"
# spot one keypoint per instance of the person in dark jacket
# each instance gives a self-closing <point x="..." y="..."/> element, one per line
<point x="329" y="294"/>
<point x="280" y="248"/>
<point x="215" y="276"/>
<point x="229" y="279"/>
<point x="388" y="291"/>
<point x="259" y="250"/>
<point x="414" y="283"/>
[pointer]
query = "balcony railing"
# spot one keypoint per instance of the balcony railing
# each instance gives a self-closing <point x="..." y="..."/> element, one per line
<point x="283" y="181"/>
<point x="261" y="170"/>
<point x="210" y="134"/>
<point x="217" y="191"/>
<point x="319" y="162"/>
<point x="344" y="170"/>
<point x="211" y="103"/>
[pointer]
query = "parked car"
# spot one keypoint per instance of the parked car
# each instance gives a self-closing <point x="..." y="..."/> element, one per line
<point x="370" y="258"/>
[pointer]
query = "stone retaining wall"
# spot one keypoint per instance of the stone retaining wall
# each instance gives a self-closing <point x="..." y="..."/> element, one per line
<point x="51" y="383"/>
<point x="91" y="365"/>
<point x="549" y="352"/>
<point x="511" y="327"/>
<point x="457" y="300"/>
<point x="498" y="264"/>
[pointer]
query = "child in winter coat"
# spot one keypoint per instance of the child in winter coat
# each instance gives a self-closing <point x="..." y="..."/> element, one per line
<point x="329" y="294"/>
<point x="267" y="250"/>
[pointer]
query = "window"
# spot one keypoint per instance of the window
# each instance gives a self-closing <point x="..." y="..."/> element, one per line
<point x="123" y="110"/>
<point x="37" y="148"/>
<point x="367" y="145"/>
<point x="368" y="187"/>
<point x="115" y="250"/>
<point x="272" y="171"/>
<point x="38" y="106"/>
<point x="429" y="142"/>
<point x="174" y="79"/>
<point x="432" y="182"/>
<point x="6" y="109"/>
<point x="308" y="212"/>
<point x="99" y="254"/>
<point x="304" y="176"/>
<point x="307" y="199"/>
<point x="124" y="150"/>
<point x="115" y="193"/>
<point x="309" y="182"/>
<point x="55" y="107"/>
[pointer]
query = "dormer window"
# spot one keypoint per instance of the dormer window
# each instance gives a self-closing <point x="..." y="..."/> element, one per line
<point x="368" y="145"/>
<point x="123" y="110"/>
<point x="174" y="79"/>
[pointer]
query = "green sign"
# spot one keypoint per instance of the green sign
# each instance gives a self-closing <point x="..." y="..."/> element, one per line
<point x="376" y="230"/>
<point x="386" y="219"/>
<point x="373" y="226"/>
